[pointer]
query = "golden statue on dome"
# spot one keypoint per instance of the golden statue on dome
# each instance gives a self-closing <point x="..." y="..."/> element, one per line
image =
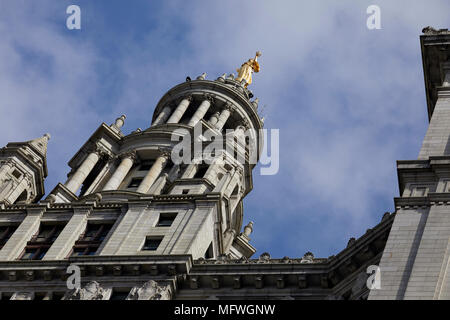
<point x="247" y="68"/>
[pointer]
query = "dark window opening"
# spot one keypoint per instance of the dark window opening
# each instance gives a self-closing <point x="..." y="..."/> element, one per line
<point x="40" y="295"/>
<point x="151" y="244"/>
<point x="166" y="219"/>
<point x="6" y="296"/>
<point x="189" y="112"/>
<point x="185" y="191"/>
<point x="34" y="253"/>
<point x="209" y="254"/>
<point x="39" y="244"/>
<point x="16" y="174"/>
<point x="201" y="171"/>
<point x="48" y="233"/>
<point x="5" y="233"/>
<point x="57" y="295"/>
<point x="119" y="295"/>
<point x="168" y="167"/>
<point x="146" y="166"/>
<point x="22" y="198"/>
<point x="91" y="239"/>
<point x="93" y="174"/>
<point x="135" y="182"/>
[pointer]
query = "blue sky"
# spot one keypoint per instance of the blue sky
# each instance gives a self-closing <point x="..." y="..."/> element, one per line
<point x="348" y="101"/>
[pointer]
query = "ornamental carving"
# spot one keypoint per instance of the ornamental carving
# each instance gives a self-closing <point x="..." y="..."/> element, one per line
<point x="150" y="291"/>
<point x="91" y="291"/>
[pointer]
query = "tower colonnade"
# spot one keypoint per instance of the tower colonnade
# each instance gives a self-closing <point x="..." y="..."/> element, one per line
<point x="126" y="196"/>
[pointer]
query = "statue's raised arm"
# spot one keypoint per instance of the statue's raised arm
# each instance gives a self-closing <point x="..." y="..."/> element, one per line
<point x="247" y="68"/>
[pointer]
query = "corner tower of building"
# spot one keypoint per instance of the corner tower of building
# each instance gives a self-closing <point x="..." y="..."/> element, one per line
<point x="23" y="168"/>
<point x="415" y="264"/>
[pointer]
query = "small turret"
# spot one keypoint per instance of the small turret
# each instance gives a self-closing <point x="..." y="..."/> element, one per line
<point x="23" y="168"/>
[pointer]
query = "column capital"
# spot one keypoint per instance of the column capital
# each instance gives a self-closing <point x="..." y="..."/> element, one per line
<point x="230" y="107"/>
<point x="189" y="97"/>
<point x="164" y="152"/>
<point x="99" y="150"/>
<point x="209" y="97"/>
<point x="245" y="123"/>
<point x="132" y="155"/>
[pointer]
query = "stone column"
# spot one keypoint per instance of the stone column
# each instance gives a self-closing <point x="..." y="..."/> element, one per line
<point x="179" y="111"/>
<point x="162" y="116"/>
<point x="214" y="118"/>
<point x="224" y="115"/>
<point x="201" y="111"/>
<point x="153" y="173"/>
<point x="121" y="171"/>
<point x="75" y="181"/>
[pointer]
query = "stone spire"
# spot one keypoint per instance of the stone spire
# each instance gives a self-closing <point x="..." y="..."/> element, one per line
<point x="40" y="144"/>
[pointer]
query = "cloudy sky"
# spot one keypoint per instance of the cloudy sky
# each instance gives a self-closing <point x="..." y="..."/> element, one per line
<point x="348" y="101"/>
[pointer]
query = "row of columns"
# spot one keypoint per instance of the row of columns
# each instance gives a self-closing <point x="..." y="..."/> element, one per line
<point x="127" y="161"/>
<point x="217" y="120"/>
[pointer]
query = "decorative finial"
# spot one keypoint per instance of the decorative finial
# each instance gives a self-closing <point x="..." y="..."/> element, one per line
<point x="247" y="68"/>
<point x="248" y="229"/>
<point x="119" y="123"/>
<point x="231" y="76"/>
<point x="255" y="103"/>
<point x="48" y="136"/>
<point x="222" y="78"/>
<point x="202" y="76"/>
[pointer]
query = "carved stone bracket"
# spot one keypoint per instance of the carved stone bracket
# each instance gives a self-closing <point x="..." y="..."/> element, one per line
<point x="150" y="291"/>
<point x="91" y="291"/>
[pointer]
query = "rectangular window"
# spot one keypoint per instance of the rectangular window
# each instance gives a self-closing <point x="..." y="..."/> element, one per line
<point x="16" y="174"/>
<point x="135" y="182"/>
<point x="419" y="192"/>
<point x="5" y="233"/>
<point x="185" y="191"/>
<point x="166" y="219"/>
<point x="48" y="233"/>
<point x="91" y="239"/>
<point x="36" y="253"/>
<point x="39" y="244"/>
<point x="84" y="251"/>
<point x="151" y="244"/>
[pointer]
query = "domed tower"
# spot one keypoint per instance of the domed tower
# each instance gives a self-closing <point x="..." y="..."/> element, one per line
<point x="182" y="181"/>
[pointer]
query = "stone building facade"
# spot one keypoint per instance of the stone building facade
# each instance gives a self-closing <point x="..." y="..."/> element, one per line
<point x="139" y="226"/>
